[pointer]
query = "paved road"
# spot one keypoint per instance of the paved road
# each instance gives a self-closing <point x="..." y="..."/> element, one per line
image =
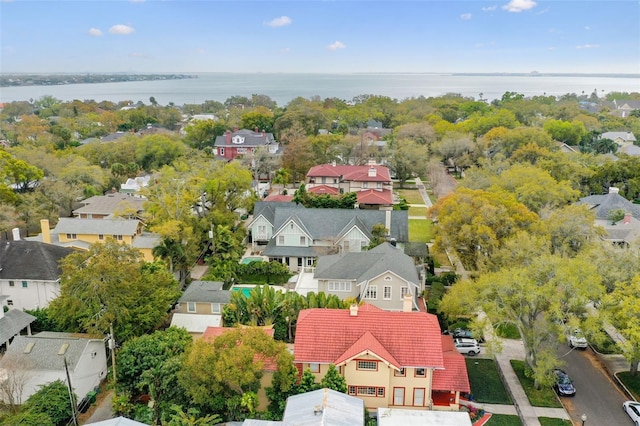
<point x="596" y="394"/>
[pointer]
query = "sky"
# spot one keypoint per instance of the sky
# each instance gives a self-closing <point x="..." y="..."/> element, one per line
<point x="313" y="36"/>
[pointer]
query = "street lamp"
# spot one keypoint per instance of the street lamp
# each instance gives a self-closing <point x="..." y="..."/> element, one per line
<point x="583" y="417"/>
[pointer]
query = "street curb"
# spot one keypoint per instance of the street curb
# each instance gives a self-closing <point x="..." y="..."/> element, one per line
<point x="613" y="375"/>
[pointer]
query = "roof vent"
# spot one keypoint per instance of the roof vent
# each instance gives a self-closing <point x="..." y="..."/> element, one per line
<point x="27" y="350"/>
<point x="317" y="410"/>
<point x="63" y="349"/>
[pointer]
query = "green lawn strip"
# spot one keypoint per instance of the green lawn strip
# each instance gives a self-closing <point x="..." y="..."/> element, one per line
<point x="550" y="421"/>
<point x="543" y="397"/>
<point x="503" y="420"/>
<point x="486" y="384"/>
<point x="418" y="211"/>
<point x="605" y="344"/>
<point x="631" y="382"/>
<point x="507" y="330"/>
<point x="411" y="195"/>
<point x="420" y="230"/>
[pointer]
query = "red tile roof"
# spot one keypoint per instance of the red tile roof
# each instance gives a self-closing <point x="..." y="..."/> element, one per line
<point x="373" y="196"/>
<point x="324" y="189"/>
<point x="279" y="198"/>
<point x="454" y="376"/>
<point x="351" y="173"/>
<point x="404" y="339"/>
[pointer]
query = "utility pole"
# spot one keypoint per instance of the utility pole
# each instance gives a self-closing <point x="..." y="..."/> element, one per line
<point x="72" y="398"/>
<point x="112" y="348"/>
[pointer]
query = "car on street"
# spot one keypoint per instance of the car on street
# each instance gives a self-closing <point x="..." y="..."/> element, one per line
<point x="576" y="338"/>
<point x="467" y="346"/>
<point x="563" y="384"/>
<point x="632" y="408"/>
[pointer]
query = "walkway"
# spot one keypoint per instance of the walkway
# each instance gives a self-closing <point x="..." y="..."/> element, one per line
<point x="423" y="193"/>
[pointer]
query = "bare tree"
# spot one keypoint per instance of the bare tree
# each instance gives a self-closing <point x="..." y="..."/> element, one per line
<point x="15" y="373"/>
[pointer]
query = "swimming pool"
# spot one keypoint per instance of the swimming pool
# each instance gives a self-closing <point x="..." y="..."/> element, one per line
<point x="252" y="259"/>
<point x="245" y="290"/>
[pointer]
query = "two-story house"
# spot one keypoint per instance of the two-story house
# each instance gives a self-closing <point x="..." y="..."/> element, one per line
<point x="389" y="359"/>
<point x="296" y="236"/>
<point x="243" y="142"/>
<point x="200" y="306"/>
<point x="30" y="273"/>
<point x="40" y="359"/>
<point x="372" y="183"/>
<point x="382" y="276"/>
<point x="110" y="206"/>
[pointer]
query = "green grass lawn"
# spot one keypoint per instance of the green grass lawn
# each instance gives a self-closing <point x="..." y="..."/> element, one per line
<point x="507" y="330"/>
<point x="549" y="421"/>
<point x="420" y="230"/>
<point x="606" y="345"/>
<point x="543" y="397"/>
<point x="411" y="195"/>
<point x="486" y="384"/>
<point x="631" y="382"/>
<point x="503" y="420"/>
<point x="418" y="211"/>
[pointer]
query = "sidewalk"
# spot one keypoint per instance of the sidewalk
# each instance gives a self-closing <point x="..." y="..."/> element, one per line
<point x="423" y="193"/>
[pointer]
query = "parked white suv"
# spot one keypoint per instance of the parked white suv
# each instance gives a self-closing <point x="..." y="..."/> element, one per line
<point x="576" y="338"/>
<point x="467" y="346"/>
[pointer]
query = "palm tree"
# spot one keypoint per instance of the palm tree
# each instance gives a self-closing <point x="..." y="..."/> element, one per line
<point x="172" y="252"/>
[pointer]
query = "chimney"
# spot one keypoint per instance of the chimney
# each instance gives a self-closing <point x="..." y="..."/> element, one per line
<point x="263" y="133"/>
<point x="613" y="190"/>
<point x="372" y="171"/>
<point x="353" y="310"/>
<point x="16" y="234"/>
<point x="235" y="129"/>
<point x="371" y="162"/>
<point x="407" y="303"/>
<point x="627" y="219"/>
<point x="387" y="220"/>
<point x="46" y="231"/>
<point x="255" y="129"/>
<point x="228" y="137"/>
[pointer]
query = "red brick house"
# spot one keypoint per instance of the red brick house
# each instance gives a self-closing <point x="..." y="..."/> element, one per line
<point x="243" y="142"/>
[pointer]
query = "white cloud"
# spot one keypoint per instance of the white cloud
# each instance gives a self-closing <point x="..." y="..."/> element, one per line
<point x="121" y="29"/>
<point x="587" y="28"/>
<point x="465" y="16"/>
<point x="587" y="46"/>
<point x="279" y="22"/>
<point x="489" y="8"/>
<point x="519" y="5"/>
<point x="95" y="32"/>
<point x="336" y="45"/>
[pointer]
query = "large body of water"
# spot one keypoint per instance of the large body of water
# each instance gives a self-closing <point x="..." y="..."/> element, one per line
<point x="282" y="88"/>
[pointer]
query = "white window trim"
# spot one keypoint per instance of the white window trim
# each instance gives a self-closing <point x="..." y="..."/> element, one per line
<point x="384" y="292"/>
<point x="189" y="305"/>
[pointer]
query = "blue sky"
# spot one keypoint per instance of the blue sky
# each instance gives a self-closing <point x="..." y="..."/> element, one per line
<point x="320" y="36"/>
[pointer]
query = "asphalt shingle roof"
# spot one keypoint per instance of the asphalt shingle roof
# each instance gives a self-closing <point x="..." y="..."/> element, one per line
<point x="603" y="204"/>
<point x="205" y="292"/>
<point x="31" y="260"/>
<point x="108" y="204"/>
<point x="251" y="138"/>
<point x="13" y="322"/>
<point x="68" y="225"/>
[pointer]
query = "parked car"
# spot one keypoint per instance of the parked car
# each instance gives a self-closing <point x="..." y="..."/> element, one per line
<point x="632" y="408"/>
<point x="576" y="338"/>
<point x="465" y="334"/>
<point x="563" y="384"/>
<point x="467" y="346"/>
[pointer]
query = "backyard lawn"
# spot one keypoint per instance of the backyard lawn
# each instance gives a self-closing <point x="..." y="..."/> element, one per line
<point x="420" y="230"/>
<point x="503" y="420"/>
<point x="543" y="397"/>
<point x="486" y="384"/>
<point x="411" y="195"/>
<point x="417" y="211"/>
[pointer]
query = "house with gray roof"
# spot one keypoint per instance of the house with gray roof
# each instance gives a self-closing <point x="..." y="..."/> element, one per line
<point x="110" y="206"/>
<point x="40" y="359"/>
<point x="297" y="236"/>
<point x="30" y="273"/>
<point x="12" y="322"/>
<point x="243" y="142"/>
<point x="620" y="138"/>
<point x="200" y="306"/>
<point x="382" y="276"/>
<point x="623" y="231"/>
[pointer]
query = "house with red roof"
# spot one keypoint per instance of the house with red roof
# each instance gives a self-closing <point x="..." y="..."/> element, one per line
<point x="372" y="183"/>
<point x="382" y="358"/>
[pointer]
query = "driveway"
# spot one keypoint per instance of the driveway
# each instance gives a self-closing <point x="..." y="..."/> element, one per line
<point x="596" y="394"/>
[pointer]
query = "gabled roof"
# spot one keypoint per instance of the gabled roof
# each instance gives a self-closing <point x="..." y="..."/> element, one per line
<point x="625" y="136"/>
<point x="375" y="196"/>
<point x="367" y="344"/>
<point x="603" y="204"/>
<point x="249" y="139"/>
<point x="267" y="209"/>
<point x="363" y="266"/>
<point x="279" y="198"/>
<point x="335" y="409"/>
<point x="109" y="204"/>
<point x="206" y="292"/>
<point x="68" y="225"/>
<point x="47" y="350"/>
<point x="455" y="375"/>
<point x="31" y="260"/>
<point x="323" y="189"/>
<point x="351" y="173"/>
<point x="13" y="322"/>
<point x="411" y="338"/>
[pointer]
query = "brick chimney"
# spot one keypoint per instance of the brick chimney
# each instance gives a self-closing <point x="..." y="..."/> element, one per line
<point x="627" y="219"/>
<point x="228" y="137"/>
<point x="46" y="231"/>
<point x="353" y="310"/>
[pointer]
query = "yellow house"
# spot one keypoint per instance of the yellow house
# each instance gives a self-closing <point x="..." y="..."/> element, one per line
<point x="389" y="359"/>
<point x="200" y="306"/>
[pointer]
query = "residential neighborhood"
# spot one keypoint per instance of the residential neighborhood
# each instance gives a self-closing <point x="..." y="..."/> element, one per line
<point x="375" y="262"/>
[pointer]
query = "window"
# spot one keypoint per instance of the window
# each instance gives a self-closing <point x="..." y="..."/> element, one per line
<point x="352" y="390"/>
<point x="241" y="150"/>
<point x="12" y="283"/>
<point x="400" y="373"/>
<point x="398" y="396"/>
<point x="101" y="236"/>
<point x="309" y="261"/>
<point x="379" y="185"/>
<point x="281" y="240"/>
<point x="418" y="397"/>
<point x="25" y="284"/>
<point x="366" y="391"/>
<point x="118" y="237"/>
<point x="388" y="278"/>
<point x="71" y="236"/>
<point x="372" y="292"/>
<point x="303" y="240"/>
<point x="381" y="392"/>
<point x="420" y="372"/>
<point x="339" y="286"/>
<point x="191" y="306"/>
<point x="215" y="308"/>
<point x="386" y="293"/>
<point x="365" y="185"/>
<point x="345" y="245"/>
<point x="403" y="291"/>
<point x="367" y="365"/>
<point x="221" y="151"/>
<point x="315" y="368"/>
<point x="262" y="230"/>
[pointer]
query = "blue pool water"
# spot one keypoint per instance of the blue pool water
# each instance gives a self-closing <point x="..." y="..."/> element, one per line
<point x="251" y="259"/>
<point x="245" y="290"/>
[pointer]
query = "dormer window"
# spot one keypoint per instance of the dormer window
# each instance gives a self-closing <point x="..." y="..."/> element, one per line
<point x="237" y="140"/>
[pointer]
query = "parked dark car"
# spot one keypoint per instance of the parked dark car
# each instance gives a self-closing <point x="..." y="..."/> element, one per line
<point x="463" y="333"/>
<point x="563" y="384"/>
